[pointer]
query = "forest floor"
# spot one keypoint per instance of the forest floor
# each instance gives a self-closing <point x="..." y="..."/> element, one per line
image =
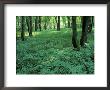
<point x="51" y="52"/>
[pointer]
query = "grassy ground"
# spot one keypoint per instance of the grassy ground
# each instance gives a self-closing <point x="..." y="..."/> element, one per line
<point x="51" y="52"/>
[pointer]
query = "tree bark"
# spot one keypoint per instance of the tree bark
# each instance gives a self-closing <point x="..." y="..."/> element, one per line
<point x="74" y="36"/>
<point x="58" y="24"/>
<point x="22" y="27"/>
<point x="90" y="24"/>
<point x="27" y="22"/>
<point x="40" y="23"/>
<point x="36" y="23"/>
<point x="68" y="17"/>
<point x="30" y="26"/>
<point x="83" y="39"/>
<point x="93" y="21"/>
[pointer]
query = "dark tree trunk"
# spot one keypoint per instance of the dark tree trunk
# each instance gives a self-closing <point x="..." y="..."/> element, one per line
<point x="93" y="21"/>
<point x="68" y="17"/>
<point x="40" y="23"/>
<point x="90" y="24"/>
<point x="22" y="27"/>
<point x="46" y="22"/>
<point x="27" y="21"/>
<point x="36" y="23"/>
<point x="74" y="29"/>
<point x="30" y="25"/>
<point x="58" y="24"/>
<point x="83" y="39"/>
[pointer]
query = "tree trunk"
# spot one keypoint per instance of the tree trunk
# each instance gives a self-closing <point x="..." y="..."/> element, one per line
<point x="83" y="39"/>
<point x="27" y="21"/>
<point x="40" y="23"/>
<point x="30" y="26"/>
<point x="22" y="27"/>
<point x="58" y="24"/>
<point x="74" y="36"/>
<point x="90" y="24"/>
<point x="93" y="21"/>
<point x="68" y="17"/>
<point x="36" y="23"/>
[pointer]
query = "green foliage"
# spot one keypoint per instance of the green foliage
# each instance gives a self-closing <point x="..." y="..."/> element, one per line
<point x="51" y="52"/>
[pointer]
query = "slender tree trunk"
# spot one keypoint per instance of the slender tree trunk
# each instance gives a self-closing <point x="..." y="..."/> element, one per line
<point x="68" y="17"/>
<point x="58" y="24"/>
<point x="45" y="22"/>
<point x="93" y="21"/>
<point x="83" y="39"/>
<point x="74" y="36"/>
<point x="49" y="23"/>
<point x="40" y="23"/>
<point x="27" y="21"/>
<point x="30" y="26"/>
<point x="22" y="27"/>
<point x="36" y="23"/>
<point x="90" y="24"/>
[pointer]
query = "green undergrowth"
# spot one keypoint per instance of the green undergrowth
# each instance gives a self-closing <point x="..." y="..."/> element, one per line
<point x="51" y="52"/>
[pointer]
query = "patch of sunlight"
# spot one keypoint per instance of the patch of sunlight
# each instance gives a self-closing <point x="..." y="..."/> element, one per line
<point x="26" y="34"/>
<point x="50" y="32"/>
<point x="54" y="32"/>
<point x="36" y="33"/>
<point x="33" y="33"/>
<point x="79" y="30"/>
<point x="18" y="35"/>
